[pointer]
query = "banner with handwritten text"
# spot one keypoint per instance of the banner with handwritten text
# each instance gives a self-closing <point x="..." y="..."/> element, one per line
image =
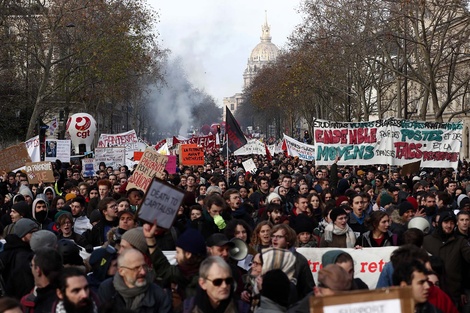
<point x="390" y="141"/>
<point x="299" y="149"/>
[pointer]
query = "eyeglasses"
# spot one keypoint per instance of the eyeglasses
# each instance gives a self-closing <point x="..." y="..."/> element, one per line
<point x="144" y="267"/>
<point x="218" y="281"/>
<point x="277" y="237"/>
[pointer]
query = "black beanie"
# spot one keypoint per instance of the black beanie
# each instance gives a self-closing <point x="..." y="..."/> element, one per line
<point x="404" y="207"/>
<point x="303" y="224"/>
<point x="275" y="284"/>
<point x="22" y="208"/>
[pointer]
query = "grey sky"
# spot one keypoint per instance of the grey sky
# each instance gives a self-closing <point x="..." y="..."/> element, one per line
<point x="215" y="37"/>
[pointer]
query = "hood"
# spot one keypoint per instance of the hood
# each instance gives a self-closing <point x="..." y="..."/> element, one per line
<point x="51" y="189"/>
<point x="35" y="202"/>
<point x="396" y="218"/>
<point x="25" y="191"/>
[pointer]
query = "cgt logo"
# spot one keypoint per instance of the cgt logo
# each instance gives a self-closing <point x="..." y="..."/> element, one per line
<point x="82" y="125"/>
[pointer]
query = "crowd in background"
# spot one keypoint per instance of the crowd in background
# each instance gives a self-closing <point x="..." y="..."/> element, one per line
<point x="52" y="230"/>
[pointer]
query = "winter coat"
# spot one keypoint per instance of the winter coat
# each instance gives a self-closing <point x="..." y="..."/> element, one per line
<point x="454" y="252"/>
<point x="269" y="306"/>
<point x="156" y="300"/>
<point x="366" y="241"/>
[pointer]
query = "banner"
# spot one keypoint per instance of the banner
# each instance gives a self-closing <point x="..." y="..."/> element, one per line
<point x="151" y="165"/>
<point x="391" y="141"/>
<point x="128" y="140"/>
<point x="14" y="157"/>
<point x="235" y="139"/>
<point x="34" y="149"/>
<point x="58" y="150"/>
<point x="254" y="146"/>
<point x="39" y="172"/>
<point x="209" y="142"/>
<point x="111" y="156"/>
<point x="191" y="155"/>
<point x="249" y="166"/>
<point x="299" y="149"/>
<point x="171" y="164"/>
<point x="368" y="262"/>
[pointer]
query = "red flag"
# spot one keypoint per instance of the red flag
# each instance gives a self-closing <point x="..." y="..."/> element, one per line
<point x="268" y="154"/>
<point x="284" y="148"/>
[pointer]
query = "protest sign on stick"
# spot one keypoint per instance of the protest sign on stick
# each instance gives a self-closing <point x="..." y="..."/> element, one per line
<point x="14" y="157"/>
<point x="39" y="172"/>
<point x="160" y="203"/>
<point x="151" y="165"/>
<point x="191" y="155"/>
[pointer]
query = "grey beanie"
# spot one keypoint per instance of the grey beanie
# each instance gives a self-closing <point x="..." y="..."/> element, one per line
<point x="24" y="226"/>
<point x="43" y="239"/>
<point x="135" y="237"/>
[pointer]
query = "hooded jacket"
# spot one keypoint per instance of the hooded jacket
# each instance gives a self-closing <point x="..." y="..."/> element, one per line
<point x="41" y="218"/>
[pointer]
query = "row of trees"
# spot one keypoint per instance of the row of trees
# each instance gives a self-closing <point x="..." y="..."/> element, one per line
<point x="94" y="56"/>
<point x="353" y="59"/>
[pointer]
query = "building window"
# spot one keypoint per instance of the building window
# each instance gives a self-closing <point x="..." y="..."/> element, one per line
<point x="232" y="106"/>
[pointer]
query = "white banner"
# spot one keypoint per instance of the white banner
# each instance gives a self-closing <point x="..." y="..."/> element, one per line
<point x="299" y="149"/>
<point x="113" y="156"/>
<point x="254" y="146"/>
<point x="368" y="262"/>
<point x="34" y="149"/>
<point x="391" y="141"/>
<point x="58" y="150"/>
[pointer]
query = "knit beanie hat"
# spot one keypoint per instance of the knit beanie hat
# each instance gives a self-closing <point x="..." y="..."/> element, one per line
<point x="385" y="199"/>
<point x="43" y="239"/>
<point x="70" y="252"/>
<point x="22" y="208"/>
<point x="135" y="237"/>
<point x="61" y="212"/>
<point x="100" y="260"/>
<point x="192" y="241"/>
<point x="337" y="212"/>
<point x="404" y="207"/>
<point x="272" y="196"/>
<point x="334" y="277"/>
<point x="70" y="196"/>
<point x="275" y="258"/>
<point x="95" y="216"/>
<point x="275" y="284"/>
<point x="330" y="257"/>
<point x="213" y="189"/>
<point x="25" y="191"/>
<point x="341" y="199"/>
<point x="413" y="202"/>
<point x="24" y="226"/>
<point x="462" y="200"/>
<point x="303" y="224"/>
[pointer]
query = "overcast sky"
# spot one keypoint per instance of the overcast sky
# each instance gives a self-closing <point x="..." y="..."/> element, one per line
<point x="215" y="37"/>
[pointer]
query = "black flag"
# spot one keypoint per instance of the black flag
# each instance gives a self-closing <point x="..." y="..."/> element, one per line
<point x="236" y="139"/>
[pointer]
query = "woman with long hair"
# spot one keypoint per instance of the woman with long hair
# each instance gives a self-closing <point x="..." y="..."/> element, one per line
<point x="378" y="234"/>
<point x="316" y="206"/>
<point x="261" y="237"/>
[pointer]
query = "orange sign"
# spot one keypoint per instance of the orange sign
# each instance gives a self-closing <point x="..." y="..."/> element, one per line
<point x="191" y="155"/>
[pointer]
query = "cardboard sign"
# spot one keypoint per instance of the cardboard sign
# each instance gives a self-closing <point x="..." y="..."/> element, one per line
<point x="249" y="166"/>
<point x="151" y="165"/>
<point x="34" y="148"/>
<point x="14" y="157"/>
<point x="389" y="300"/>
<point x="191" y="155"/>
<point x="39" y="172"/>
<point x="160" y="203"/>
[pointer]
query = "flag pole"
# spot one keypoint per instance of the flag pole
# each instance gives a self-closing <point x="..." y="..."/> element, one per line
<point x="227" y="157"/>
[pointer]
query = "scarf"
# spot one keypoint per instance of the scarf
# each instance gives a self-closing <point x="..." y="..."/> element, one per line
<point x="132" y="296"/>
<point x="331" y="230"/>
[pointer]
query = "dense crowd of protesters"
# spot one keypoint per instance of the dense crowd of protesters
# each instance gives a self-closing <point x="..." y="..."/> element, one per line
<point x="76" y="245"/>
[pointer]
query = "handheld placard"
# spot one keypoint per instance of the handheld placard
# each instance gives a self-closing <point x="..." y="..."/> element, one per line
<point x="161" y="203"/>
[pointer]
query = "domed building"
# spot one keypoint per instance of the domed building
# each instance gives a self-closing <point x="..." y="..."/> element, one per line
<point x="264" y="53"/>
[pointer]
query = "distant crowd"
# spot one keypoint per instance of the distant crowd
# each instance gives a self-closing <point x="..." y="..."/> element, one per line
<point x="76" y="245"/>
